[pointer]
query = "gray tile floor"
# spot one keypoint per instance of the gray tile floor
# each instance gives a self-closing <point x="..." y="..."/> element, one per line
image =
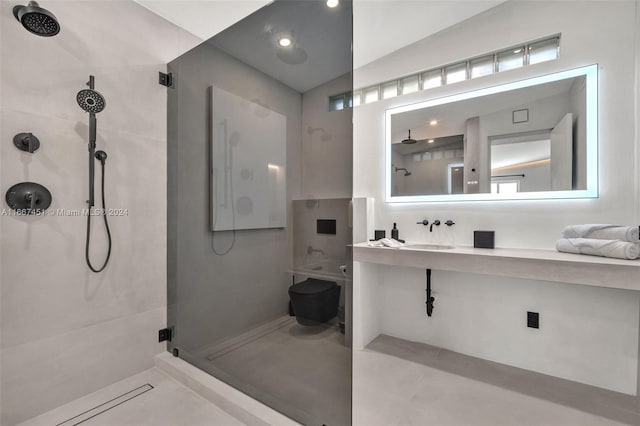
<point x="389" y="390"/>
<point x="301" y="371"/>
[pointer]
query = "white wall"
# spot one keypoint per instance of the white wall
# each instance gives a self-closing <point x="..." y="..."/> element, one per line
<point x="65" y="330"/>
<point x="603" y="35"/>
<point x="486" y="316"/>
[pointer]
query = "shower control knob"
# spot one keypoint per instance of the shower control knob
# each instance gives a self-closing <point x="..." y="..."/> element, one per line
<point x="423" y="222"/>
<point x="449" y="222"/>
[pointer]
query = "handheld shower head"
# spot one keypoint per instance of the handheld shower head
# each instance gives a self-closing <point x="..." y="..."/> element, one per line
<point x="37" y="20"/>
<point x="91" y="101"/>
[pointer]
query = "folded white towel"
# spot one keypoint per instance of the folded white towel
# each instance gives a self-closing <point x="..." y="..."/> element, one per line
<point x="603" y="232"/>
<point x="604" y="248"/>
<point x="386" y="242"/>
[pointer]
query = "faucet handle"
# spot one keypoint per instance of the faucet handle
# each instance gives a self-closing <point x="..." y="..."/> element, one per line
<point x="424" y="222"/>
<point x="449" y="222"/>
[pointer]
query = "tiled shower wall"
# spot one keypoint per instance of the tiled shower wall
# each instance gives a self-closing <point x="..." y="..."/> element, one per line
<point x="65" y="330"/>
<point x="305" y="216"/>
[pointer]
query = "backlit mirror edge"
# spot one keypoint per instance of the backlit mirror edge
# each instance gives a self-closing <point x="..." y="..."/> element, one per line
<point x="591" y="74"/>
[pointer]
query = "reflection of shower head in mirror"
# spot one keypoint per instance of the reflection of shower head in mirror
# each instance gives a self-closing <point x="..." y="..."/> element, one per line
<point x="406" y="172"/>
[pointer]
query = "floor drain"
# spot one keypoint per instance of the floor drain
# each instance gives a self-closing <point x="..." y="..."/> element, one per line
<point x="106" y="406"/>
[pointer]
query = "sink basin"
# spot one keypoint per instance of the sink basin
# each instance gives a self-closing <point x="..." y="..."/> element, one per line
<point x="427" y="247"/>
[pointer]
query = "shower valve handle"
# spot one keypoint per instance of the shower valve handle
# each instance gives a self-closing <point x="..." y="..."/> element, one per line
<point x="423" y="222"/>
<point x="32" y="198"/>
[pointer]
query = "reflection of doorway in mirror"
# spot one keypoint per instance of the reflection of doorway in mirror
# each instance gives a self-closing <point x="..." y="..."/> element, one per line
<point x="456" y="178"/>
<point x="523" y="159"/>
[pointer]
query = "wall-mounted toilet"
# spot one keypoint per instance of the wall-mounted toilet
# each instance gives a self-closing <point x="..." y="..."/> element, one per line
<point x="314" y="301"/>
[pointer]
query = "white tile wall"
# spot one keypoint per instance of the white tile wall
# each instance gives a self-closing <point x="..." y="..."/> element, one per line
<point x="65" y="330"/>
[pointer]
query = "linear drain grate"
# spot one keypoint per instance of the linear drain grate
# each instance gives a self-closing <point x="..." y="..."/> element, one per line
<point x="112" y="403"/>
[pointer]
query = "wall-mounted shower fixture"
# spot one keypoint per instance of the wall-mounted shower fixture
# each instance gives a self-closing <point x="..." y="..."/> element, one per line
<point x="28" y="198"/>
<point x="27" y="142"/>
<point x="93" y="102"/>
<point x="324" y="137"/>
<point x="409" y="140"/>
<point x="37" y="20"/>
<point x="311" y="250"/>
<point x="406" y="172"/>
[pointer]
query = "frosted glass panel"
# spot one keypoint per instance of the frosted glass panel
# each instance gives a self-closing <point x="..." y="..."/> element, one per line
<point x="248" y="164"/>
<point x="336" y="103"/>
<point x="389" y="90"/>
<point x="455" y="73"/>
<point x="546" y="50"/>
<point x="510" y="59"/>
<point x="481" y="66"/>
<point x="409" y="84"/>
<point x="432" y="79"/>
<point x="371" y="94"/>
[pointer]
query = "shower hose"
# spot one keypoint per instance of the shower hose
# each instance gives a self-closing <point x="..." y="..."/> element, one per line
<point x="106" y="224"/>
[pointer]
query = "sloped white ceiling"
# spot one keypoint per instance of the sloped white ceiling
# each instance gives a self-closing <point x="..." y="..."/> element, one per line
<point x="203" y="18"/>
<point x="379" y="26"/>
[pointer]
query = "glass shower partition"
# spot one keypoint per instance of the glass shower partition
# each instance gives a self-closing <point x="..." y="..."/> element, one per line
<point x="251" y="210"/>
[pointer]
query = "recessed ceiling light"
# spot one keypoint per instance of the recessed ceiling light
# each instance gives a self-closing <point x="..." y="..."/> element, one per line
<point x="284" y="42"/>
<point x="332" y="3"/>
<point x="430" y="141"/>
<point x="433" y="122"/>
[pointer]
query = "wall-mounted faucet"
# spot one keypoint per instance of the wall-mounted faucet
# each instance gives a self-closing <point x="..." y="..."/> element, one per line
<point x="436" y="223"/>
<point x="311" y="250"/>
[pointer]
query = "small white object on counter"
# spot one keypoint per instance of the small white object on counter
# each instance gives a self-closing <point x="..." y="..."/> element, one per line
<point x="386" y="242"/>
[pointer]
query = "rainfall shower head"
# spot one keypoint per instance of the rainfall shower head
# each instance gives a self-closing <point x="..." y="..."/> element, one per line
<point x="409" y="140"/>
<point x="91" y="101"/>
<point x="37" y="20"/>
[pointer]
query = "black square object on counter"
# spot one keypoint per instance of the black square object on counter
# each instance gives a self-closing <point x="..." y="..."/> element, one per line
<point x="326" y="226"/>
<point x="483" y="239"/>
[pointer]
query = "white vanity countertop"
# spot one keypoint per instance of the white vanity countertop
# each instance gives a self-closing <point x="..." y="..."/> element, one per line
<point x="537" y="264"/>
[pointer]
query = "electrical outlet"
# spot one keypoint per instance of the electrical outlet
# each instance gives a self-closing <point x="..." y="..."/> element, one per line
<point x="533" y="319"/>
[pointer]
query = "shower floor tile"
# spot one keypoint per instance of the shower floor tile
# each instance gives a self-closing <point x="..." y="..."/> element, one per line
<point x="168" y="403"/>
<point x="299" y="370"/>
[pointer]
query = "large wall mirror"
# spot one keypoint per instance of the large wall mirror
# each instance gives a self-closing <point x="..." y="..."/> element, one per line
<point x="529" y="139"/>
